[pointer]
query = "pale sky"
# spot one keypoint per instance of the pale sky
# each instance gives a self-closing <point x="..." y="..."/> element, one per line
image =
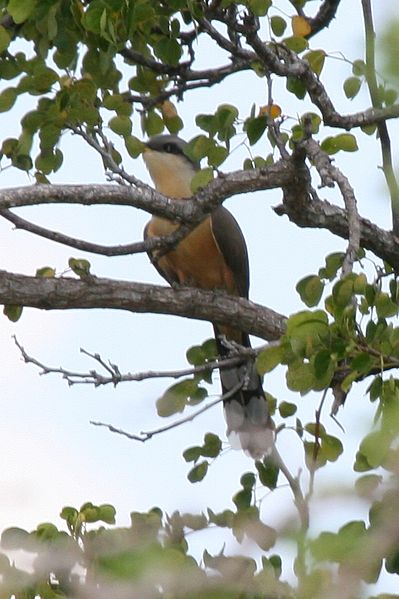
<point x="51" y="455"/>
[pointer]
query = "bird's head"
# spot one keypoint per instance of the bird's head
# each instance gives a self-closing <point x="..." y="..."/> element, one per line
<point x="169" y="166"/>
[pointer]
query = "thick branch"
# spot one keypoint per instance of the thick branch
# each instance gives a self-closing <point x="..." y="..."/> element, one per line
<point x="325" y="15"/>
<point x="146" y="198"/>
<point x="67" y="293"/>
<point x="323" y="215"/>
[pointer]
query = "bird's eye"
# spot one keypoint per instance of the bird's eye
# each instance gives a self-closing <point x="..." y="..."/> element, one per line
<point x="170" y="148"/>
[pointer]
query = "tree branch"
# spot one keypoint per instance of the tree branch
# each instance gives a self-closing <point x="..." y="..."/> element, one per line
<point x="92" y="292"/>
<point x="324" y="16"/>
<point x="147" y="435"/>
<point x="385" y="141"/>
<point x="144" y="197"/>
<point x="115" y="377"/>
<point x="322" y="214"/>
<point x="162" y="244"/>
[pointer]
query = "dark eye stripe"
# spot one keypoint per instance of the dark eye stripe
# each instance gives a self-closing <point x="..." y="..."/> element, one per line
<point x="172" y="148"/>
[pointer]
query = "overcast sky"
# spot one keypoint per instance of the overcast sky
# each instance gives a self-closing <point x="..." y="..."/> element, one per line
<point x="51" y="455"/>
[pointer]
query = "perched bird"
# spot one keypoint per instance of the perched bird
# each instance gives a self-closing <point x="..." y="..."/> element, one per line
<point x="213" y="256"/>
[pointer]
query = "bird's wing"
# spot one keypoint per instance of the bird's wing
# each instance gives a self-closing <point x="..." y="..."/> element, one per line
<point x="231" y="243"/>
<point x="168" y="275"/>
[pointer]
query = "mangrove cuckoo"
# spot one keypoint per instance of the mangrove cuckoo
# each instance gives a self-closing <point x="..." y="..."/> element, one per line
<point x="213" y="256"/>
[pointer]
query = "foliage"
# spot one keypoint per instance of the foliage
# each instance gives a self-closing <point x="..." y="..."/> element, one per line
<point x="108" y="71"/>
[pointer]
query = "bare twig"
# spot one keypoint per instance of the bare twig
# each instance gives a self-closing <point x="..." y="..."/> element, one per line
<point x="300" y="501"/>
<point x="147" y="435"/>
<point x="162" y="244"/>
<point x="382" y="126"/>
<point x="115" y="376"/>
<point x="105" y="151"/>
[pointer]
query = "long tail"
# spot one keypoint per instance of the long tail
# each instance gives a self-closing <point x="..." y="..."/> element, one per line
<point x="249" y="426"/>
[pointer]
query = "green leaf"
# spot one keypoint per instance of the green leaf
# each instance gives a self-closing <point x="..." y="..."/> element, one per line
<point x="248" y="480"/>
<point x="89" y="512"/>
<point x="174" y="124"/>
<point x="217" y="155"/>
<point x="362" y="362"/>
<point x="352" y="87"/>
<point x="212" y="446"/>
<point x="276" y="563"/>
<point x="69" y="514"/>
<point x="278" y="25"/>
<point x="7" y="99"/>
<point x="175" y="398"/>
<point x="343" y="292"/>
<point x="79" y="266"/>
<point x="45" y="272"/>
<point x="331" y="448"/>
<point x="255" y="128"/>
<point x="197" y="473"/>
<point x="316" y="429"/>
<point x="366" y="485"/>
<point x="259" y="7"/>
<point x="322" y="363"/>
<point x="5" y="39"/>
<point x="374" y="447"/>
<point x="333" y="264"/>
<point x="134" y="146"/>
<point x="287" y="409"/>
<point x="375" y="388"/>
<point x="46" y="531"/>
<point x="361" y="464"/>
<point x="300" y="377"/>
<point x="226" y="115"/>
<point x="107" y="513"/>
<point x="199" y="147"/>
<point x="308" y="324"/>
<point x="390" y="97"/>
<point x="269" y="358"/>
<point x="113" y="101"/>
<point x="359" y="68"/>
<point x="296" y="86"/>
<point x="314" y="120"/>
<point x="268" y="473"/>
<point x="208" y="123"/>
<point x="14" y="538"/>
<point x="121" y="125"/>
<point x="346" y="142"/>
<point x="191" y="454"/>
<point x="152" y="123"/>
<point x="168" y="50"/>
<point x="49" y="161"/>
<point x="329" y="145"/>
<point x="314" y="457"/>
<point x="201" y="179"/>
<point x="21" y="10"/>
<point x="210" y="349"/>
<point x="316" y="59"/>
<point x="385" y="306"/>
<point x="13" y="312"/>
<point x="310" y="289"/>
<point x="242" y="500"/>
<point x="296" y="43"/>
<point x="195" y="355"/>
